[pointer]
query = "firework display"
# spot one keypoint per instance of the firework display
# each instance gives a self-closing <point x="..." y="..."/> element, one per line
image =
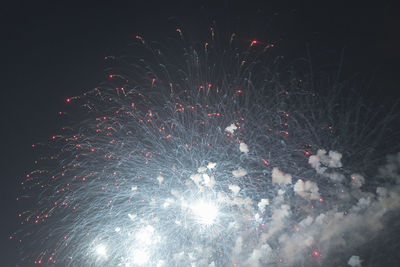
<point x="209" y="154"/>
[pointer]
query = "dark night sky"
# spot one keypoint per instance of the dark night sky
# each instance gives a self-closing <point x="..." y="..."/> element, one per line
<point x="52" y="51"/>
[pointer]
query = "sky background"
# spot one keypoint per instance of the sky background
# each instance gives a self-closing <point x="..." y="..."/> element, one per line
<point x="52" y="51"/>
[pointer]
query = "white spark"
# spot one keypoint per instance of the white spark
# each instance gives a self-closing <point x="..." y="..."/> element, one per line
<point x="244" y="148"/>
<point x="211" y="165"/>
<point x="231" y="128"/>
<point x="240" y="172"/>
<point x="234" y="188"/>
<point x="160" y="179"/>
<point x="132" y="216"/>
<point x="279" y="177"/>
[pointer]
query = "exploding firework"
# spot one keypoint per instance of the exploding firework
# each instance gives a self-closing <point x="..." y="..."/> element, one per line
<point x="210" y="154"/>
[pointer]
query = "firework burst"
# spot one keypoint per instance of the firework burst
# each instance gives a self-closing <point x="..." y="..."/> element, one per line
<point x="209" y="154"/>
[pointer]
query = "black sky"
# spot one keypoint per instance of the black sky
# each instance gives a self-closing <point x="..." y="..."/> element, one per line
<point x="55" y="50"/>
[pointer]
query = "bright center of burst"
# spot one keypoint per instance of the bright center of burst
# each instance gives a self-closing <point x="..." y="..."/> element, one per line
<point x="140" y="257"/>
<point x="101" y="250"/>
<point x="205" y="212"/>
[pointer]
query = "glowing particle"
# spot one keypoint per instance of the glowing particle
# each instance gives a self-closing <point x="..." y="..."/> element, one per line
<point x="240" y="172"/>
<point x="262" y="204"/>
<point x="231" y="128"/>
<point x="357" y="180"/>
<point x="201" y="169"/>
<point x="243" y="148"/>
<point x="354" y="261"/>
<point x="196" y="178"/>
<point x="211" y="165"/>
<point x="234" y="188"/>
<point x="132" y="216"/>
<point x="279" y="177"/>
<point x="208" y="181"/>
<point x="168" y="202"/>
<point x="316" y="253"/>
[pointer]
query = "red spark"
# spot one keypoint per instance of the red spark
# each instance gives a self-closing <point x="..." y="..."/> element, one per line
<point x="316" y="253"/>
